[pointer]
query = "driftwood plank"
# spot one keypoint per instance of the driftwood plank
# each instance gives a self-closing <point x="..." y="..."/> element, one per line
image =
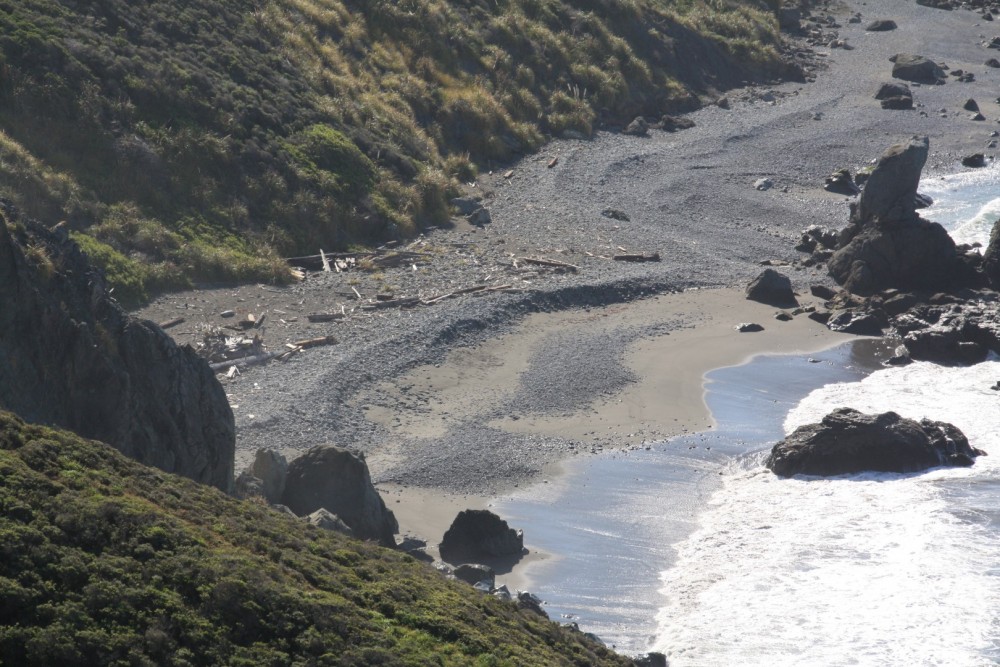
<point x="394" y="303"/>
<point x="315" y="342"/>
<point x="637" y="257"/>
<point x="172" y="323"/>
<point x="325" y="317"/>
<point x="542" y="261"/>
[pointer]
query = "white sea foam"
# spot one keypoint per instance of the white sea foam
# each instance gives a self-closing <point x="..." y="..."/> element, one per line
<point x="873" y="569"/>
<point x="966" y="203"/>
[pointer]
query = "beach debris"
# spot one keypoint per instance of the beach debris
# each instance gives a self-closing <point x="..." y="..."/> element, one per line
<point x="402" y="302"/>
<point x="543" y="261"/>
<point x="326" y="317"/>
<point x="171" y="323"/>
<point x="553" y="162"/>
<point x="637" y="257"/>
<point x="313" y="342"/>
<point x="748" y="327"/>
<point x="509" y="174"/>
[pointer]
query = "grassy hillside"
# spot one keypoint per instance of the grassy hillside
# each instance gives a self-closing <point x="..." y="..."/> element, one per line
<point x="204" y="139"/>
<point x="106" y="562"/>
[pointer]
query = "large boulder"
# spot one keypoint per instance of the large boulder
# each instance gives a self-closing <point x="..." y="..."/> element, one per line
<point x="848" y="441"/>
<point x="887" y="244"/>
<point x="478" y="534"/>
<point x="338" y="480"/>
<point x="891" y="189"/>
<point x="917" y="69"/>
<point x="71" y="357"/>
<point x="772" y="288"/>
<point x="271" y="468"/>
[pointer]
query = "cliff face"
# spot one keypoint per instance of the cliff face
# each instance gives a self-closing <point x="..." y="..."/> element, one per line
<point x="70" y="356"/>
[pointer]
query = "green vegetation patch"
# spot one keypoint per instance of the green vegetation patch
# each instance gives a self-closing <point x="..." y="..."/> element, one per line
<point x="289" y="125"/>
<point x="106" y="562"/>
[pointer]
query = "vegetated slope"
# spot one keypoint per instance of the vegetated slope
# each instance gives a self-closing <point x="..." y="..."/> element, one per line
<point x="202" y="139"/>
<point x="106" y="562"/>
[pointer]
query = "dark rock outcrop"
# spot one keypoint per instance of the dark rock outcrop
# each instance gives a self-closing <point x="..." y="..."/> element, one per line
<point x="271" y="468"/>
<point x="917" y="69"/>
<point x="848" y="441"/>
<point x="991" y="257"/>
<point x="327" y="520"/>
<point x="338" y="480"/>
<point x="637" y="128"/>
<point x="473" y="573"/>
<point x="477" y="534"/>
<point x="772" y="288"/>
<point x="893" y="89"/>
<point x="71" y="357"/>
<point x="886" y="244"/>
<point x="881" y="25"/>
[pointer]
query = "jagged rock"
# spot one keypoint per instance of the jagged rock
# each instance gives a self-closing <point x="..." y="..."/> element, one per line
<point x="970" y="105"/>
<point x="974" y="161"/>
<point x="476" y="534"/>
<point x="881" y="25"/>
<point x="991" y="257"/>
<point x="466" y="205"/>
<point x="841" y="182"/>
<point x="977" y="117"/>
<point x="637" y="128"/>
<point x="651" y="659"/>
<point x="722" y="103"/>
<point x="749" y="327"/>
<point x="892" y="89"/>
<point x="675" y="123"/>
<point x="271" y="468"/>
<point x="285" y="510"/>
<point x="772" y="288"/>
<point x="822" y="292"/>
<point x="248" y="486"/>
<point x="473" y="573"/>
<point x="892" y="184"/>
<point x="481" y="216"/>
<point x="917" y="69"/>
<point x="901" y="103"/>
<point x="71" y="357"/>
<point x="847" y="441"/>
<point x="338" y="480"/>
<point x="857" y="323"/>
<point x="327" y="520"/>
<point x="992" y="62"/>
<point x="530" y="602"/>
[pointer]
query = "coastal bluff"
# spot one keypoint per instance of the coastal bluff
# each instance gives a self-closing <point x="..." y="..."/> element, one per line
<point x="71" y="357"/>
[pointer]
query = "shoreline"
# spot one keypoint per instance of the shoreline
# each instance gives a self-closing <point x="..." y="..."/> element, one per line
<point x="657" y="405"/>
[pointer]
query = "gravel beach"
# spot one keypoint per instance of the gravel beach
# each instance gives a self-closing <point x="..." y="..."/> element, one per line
<point x="480" y="393"/>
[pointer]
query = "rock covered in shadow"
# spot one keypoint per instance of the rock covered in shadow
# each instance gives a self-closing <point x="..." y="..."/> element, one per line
<point x="478" y="534"/>
<point x="887" y="245"/>
<point x="847" y="441"/>
<point x="338" y="480"/>
<point x="917" y="69"/>
<point x="327" y="520"/>
<point x="271" y="468"/>
<point x="71" y="357"/>
<point x="771" y="288"/>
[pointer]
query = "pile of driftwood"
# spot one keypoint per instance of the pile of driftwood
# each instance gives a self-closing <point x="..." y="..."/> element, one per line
<point x="341" y="262"/>
<point x="225" y="352"/>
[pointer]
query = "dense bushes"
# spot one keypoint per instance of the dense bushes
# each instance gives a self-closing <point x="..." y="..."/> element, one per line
<point x="106" y="562"/>
<point x="296" y="124"/>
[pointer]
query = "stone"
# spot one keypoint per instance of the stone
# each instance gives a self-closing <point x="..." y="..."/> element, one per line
<point x="530" y="602"/>
<point x="901" y="103"/>
<point x="847" y="442"/>
<point x="651" y="659"/>
<point x="790" y="19"/>
<point x="772" y="288"/>
<point x="893" y="89"/>
<point x="480" y="217"/>
<point x="917" y="69"/>
<point x="637" y="128"/>
<point x="71" y="357"/>
<point x="271" y="468"/>
<point x="841" y="182"/>
<point x="763" y="184"/>
<point x="977" y="117"/>
<point x="615" y="214"/>
<point x="749" y="327"/>
<point x="479" y="534"/>
<point x="782" y="316"/>
<point x="248" y="486"/>
<point x="970" y="105"/>
<point x="974" y="161"/>
<point x="992" y="62"/>
<point x="855" y="322"/>
<point x="881" y="25"/>
<point x="327" y="520"/>
<point x="892" y="185"/>
<point x="338" y="480"/>
<point x="822" y="292"/>
<point x="473" y="573"/>
<point x="675" y="123"/>
<point x="465" y="205"/>
<point x="991" y="257"/>
<point x="722" y="103"/>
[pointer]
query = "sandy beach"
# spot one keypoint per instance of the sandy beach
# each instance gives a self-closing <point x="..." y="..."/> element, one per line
<point x="458" y="403"/>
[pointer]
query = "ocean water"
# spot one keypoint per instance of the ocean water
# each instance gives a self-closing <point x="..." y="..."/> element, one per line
<point x="869" y="569"/>
<point x="694" y="549"/>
